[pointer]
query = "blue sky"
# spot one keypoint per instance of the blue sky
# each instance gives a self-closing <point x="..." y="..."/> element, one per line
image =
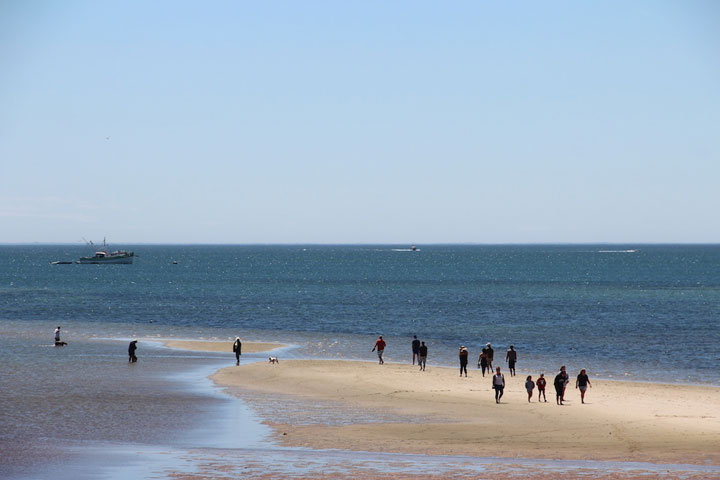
<point x="360" y="122"/>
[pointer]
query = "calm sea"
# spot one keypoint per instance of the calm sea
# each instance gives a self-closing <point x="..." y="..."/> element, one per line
<point x="636" y="312"/>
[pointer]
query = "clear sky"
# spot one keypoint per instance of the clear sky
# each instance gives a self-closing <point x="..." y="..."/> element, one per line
<point x="360" y="121"/>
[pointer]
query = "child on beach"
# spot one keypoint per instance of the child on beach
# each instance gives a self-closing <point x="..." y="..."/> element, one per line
<point x="541" y="382"/>
<point x="529" y="386"/>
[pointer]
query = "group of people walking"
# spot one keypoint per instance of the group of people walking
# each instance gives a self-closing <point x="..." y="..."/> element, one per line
<point x="485" y="363"/>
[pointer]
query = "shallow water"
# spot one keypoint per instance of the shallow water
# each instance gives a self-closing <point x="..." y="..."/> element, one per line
<point x="619" y="314"/>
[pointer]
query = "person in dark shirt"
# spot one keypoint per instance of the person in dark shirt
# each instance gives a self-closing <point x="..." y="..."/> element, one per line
<point x="131" y="351"/>
<point x="511" y="358"/>
<point x="463" y="357"/>
<point x="490" y="354"/>
<point x="482" y="362"/>
<point x="582" y="383"/>
<point x="559" y="385"/>
<point x="415" y="349"/>
<point x="422" y="356"/>
<point x="498" y="384"/>
<point x="237" y="348"/>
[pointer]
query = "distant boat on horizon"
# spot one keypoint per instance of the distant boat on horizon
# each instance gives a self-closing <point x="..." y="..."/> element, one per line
<point x="104" y="256"/>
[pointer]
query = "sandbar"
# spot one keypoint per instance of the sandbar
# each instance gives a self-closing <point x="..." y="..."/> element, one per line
<point x="441" y="413"/>
<point x="215" y="346"/>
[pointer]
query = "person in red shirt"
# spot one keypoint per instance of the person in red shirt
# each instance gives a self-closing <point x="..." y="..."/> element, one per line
<point x="380" y="347"/>
<point x="541" y="387"/>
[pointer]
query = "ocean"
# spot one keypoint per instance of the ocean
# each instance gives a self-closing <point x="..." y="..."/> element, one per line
<point x="628" y="312"/>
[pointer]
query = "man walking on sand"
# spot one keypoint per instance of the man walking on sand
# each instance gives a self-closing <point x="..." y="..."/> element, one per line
<point x="511" y="358"/>
<point x="380" y="347"/>
<point x="422" y="356"/>
<point x="489" y="355"/>
<point x="498" y="384"/>
<point x="415" y="349"/>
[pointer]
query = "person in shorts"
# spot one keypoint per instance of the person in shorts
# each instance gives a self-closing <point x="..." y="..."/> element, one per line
<point x="582" y="383"/>
<point x="511" y="358"/>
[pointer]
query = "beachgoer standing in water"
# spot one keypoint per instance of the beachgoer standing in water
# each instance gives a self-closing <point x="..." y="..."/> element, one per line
<point x="559" y="385"/>
<point x="237" y="348"/>
<point x="582" y="382"/>
<point x="529" y="386"/>
<point x="511" y="358"/>
<point x="498" y="384"/>
<point x="415" y="349"/>
<point x="58" y="342"/>
<point x="422" y="356"/>
<point x="131" y="351"/>
<point x="541" y="382"/>
<point x="380" y="347"/>
<point x="463" y="357"/>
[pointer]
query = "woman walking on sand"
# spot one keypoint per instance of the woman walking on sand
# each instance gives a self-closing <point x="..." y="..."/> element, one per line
<point x="463" y="357"/>
<point x="498" y="384"/>
<point x="529" y="386"/>
<point x="582" y="382"/>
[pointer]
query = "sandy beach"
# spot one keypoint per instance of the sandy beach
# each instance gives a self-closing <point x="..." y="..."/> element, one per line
<point x="225" y="347"/>
<point x="437" y="412"/>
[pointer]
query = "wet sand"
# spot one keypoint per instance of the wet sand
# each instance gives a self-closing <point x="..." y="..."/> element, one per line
<point x="439" y="413"/>
<point x="225" y="347"/>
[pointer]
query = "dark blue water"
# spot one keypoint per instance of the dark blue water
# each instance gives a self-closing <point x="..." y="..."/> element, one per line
<point x="647" y="312"/>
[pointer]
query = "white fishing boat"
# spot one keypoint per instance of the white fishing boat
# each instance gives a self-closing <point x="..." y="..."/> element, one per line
<point x="104" y="256"/>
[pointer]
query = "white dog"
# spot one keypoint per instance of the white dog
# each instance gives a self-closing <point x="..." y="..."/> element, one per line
<point x="273" y="360"/>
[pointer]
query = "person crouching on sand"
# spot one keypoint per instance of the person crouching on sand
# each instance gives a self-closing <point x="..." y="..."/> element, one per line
<point x="582" y="383"/>
<point x="380" y="347"/>
<point x="529" y="386"/>
<point x="498" y="384"/>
